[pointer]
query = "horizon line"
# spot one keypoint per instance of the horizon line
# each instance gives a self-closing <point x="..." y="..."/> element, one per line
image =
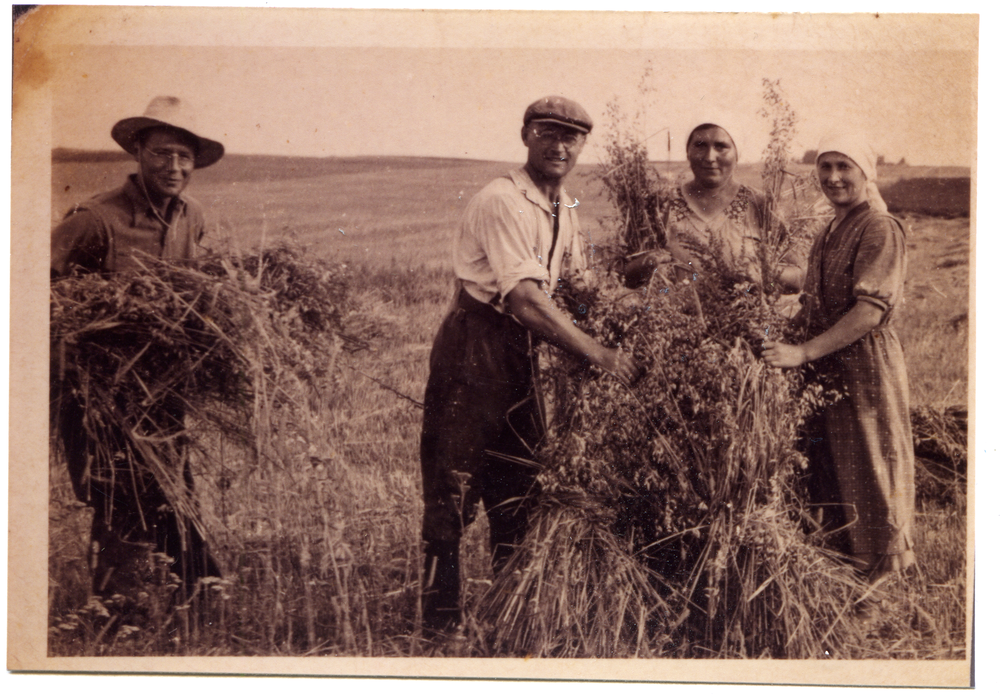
<point x="113" y="154"/>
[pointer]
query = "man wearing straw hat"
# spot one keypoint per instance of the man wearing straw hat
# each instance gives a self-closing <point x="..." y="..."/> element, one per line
<point x="518" y="243"/>
<point x="148" y="214"/>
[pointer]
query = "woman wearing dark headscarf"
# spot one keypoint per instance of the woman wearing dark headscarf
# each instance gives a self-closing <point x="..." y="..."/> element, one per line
<point x="853" y="284"/>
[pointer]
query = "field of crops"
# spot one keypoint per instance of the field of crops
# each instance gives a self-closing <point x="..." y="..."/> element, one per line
<point x="323" y="553"/>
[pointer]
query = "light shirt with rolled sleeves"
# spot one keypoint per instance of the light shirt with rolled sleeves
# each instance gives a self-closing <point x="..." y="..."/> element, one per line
<point x="505" y="236"/>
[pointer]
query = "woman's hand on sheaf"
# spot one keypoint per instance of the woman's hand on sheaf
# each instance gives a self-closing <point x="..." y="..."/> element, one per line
<point x="791" y="279"/>
<point x="660" y="262"/>
<point x="784" y="356"/>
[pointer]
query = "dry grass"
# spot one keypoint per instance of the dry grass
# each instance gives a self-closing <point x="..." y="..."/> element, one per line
<point x="573" y="589"/>
<point x="248" y="348"/>
<point x="366" y="438"/>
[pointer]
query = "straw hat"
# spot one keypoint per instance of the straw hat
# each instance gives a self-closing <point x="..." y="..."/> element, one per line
<point x="170" y="112"/>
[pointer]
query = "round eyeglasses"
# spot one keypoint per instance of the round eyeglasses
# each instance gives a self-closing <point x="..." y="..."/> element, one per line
<point x="569" y="138"/>
<point x="166" y="158"/>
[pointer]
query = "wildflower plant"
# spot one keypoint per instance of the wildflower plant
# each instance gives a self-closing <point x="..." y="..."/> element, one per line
<point x="794" y="209"/>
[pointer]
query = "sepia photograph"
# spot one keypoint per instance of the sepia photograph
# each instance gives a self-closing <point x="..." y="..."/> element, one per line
<point x="442" y="344"/>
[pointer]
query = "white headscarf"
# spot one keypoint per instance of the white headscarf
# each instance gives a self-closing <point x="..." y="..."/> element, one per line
<point x="857" y="148"/>
<point x="727" y="122"/>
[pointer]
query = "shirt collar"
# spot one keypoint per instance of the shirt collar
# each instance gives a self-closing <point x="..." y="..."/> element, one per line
<point x="523" y="181"/>
<point x="141" y="204"/>
<point x="854" y="212"/>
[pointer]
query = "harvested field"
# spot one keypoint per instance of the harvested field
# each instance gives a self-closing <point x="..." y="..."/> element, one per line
<point x="945" y="198"/>
<point x="322" y="552"/>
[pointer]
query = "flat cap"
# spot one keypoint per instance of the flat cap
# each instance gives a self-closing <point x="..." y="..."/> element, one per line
<point x="561" y="111"/>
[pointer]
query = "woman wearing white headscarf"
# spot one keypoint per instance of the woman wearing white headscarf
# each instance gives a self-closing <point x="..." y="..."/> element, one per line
<point x="853" y="284"/>
<point x="711" y="213"/>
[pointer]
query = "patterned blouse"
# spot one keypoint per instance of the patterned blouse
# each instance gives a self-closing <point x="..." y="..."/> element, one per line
<point x="730" y="235"/>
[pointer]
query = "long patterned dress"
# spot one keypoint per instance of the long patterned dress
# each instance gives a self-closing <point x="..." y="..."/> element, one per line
<point x="868" y="433"/>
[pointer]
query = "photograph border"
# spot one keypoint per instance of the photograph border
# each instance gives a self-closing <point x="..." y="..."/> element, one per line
<point x="28" y="435"/>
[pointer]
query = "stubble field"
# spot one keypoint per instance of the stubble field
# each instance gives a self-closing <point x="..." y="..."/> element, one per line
<point x="346" y="513"/>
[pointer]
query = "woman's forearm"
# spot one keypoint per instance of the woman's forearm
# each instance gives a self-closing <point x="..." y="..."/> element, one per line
<point x="855" y="324"/>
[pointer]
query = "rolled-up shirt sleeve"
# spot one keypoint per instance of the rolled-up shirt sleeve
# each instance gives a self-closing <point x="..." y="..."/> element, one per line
<point x="880" y="264"/>
<point x="508" y="236"/>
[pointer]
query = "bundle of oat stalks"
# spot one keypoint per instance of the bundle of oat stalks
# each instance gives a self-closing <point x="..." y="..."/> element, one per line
<point x="671" y="514"/>
<point x="705" y="544"/>
<point x="239" y="345"/>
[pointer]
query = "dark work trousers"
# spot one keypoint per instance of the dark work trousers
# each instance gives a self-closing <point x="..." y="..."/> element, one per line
<point x="480" y="406"/>
<point x="132" y="515"/>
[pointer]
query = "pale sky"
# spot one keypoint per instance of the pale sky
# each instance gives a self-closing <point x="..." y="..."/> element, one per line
<point x="336" y="83"/>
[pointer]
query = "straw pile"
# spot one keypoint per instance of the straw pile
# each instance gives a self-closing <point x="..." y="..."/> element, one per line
<point x="940" y="442"/>
<point x="239" y="346"/>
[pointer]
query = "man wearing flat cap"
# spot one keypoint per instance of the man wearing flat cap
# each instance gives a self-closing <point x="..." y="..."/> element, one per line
<point x="148" y="214"/>
<point x="518" y="243"/>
